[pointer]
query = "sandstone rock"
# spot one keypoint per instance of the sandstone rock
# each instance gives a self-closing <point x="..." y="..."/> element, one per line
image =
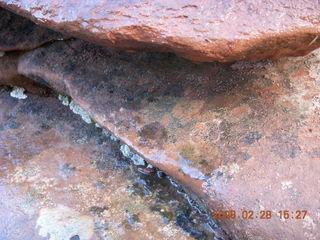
<point x="242" y="136"/>
<point x="8" y="68"/>
<point x="18" y="33"/>
<point x="61" y="178"/>
<point x="9" y="75"/>
<point x="202" y="31"/>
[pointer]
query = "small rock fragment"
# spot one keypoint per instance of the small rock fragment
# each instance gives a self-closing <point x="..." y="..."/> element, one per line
<point x="146" y="170"/>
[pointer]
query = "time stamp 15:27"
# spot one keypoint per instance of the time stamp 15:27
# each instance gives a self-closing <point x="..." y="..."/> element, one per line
<point x="263" y="214"/>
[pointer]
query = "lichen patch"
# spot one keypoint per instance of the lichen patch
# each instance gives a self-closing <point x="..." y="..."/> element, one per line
<point x="63" y="222"/>
<point x="18" y="92"/>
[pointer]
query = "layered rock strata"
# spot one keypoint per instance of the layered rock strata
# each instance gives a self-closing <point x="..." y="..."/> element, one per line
<point x="202" y="31"/>
<point x="242" y="136"/>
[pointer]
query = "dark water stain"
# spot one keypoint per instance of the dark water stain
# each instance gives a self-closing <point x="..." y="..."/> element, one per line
<point x="173" y="203"/>
<point x="168" y="199"/>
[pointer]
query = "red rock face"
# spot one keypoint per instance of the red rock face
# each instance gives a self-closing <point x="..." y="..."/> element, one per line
<point x="241" y="136"/>
<point x="202" y="31"/>
<point x="61" y="178"/>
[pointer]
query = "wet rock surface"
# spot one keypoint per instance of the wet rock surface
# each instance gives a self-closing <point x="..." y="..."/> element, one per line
<point x="201" y="31"/>
<point x="18" y="33"/>
<point x="240" y="136"/>
<point x="64" y="179"/>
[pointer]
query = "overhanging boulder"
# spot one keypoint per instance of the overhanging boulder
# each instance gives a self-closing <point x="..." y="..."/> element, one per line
<point x="202" y="31"/>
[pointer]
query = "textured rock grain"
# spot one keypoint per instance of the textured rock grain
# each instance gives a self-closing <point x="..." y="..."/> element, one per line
<point x="19" y="34"/>
<point x="202" y="31"/>
<point x="241" y="136"/>
<point x="234" y="134"/>
<point x="62" y="179"/>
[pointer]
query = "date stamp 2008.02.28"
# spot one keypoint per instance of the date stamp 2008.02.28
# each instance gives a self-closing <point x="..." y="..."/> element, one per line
<point x="263" y="214"/>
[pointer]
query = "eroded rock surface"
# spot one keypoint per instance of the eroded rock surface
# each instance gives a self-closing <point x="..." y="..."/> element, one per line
<point x="62" y="179"/>
<point x="201" y="31"/>
<point x="241" y="136"/>
<point x="18" y="33"/>
<point x="9" y="74"/>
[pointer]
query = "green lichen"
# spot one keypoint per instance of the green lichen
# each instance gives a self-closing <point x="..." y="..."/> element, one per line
<point x="75" y="108"/>
<point x="136" y="159"/>
<point x="78" y="110"/>
<point x="64" y="99"/>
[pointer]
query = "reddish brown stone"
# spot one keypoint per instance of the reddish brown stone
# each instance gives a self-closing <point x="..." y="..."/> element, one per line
<point x="241" y="136"/>
<point x="18" y="33"/>
<point x="8" y="68"/>
<point x="62" y="178"/>
<point x="9" y="75"/>
<point x="198" y="30"/>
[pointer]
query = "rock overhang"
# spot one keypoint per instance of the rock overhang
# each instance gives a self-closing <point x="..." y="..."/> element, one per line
<point x="204" y="31"/>
<point x="224" y="130"/>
